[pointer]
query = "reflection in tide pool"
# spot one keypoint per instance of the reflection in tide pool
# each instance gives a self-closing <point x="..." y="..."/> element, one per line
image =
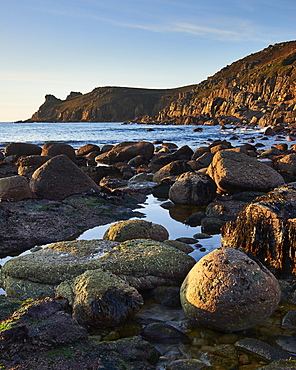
<point x="153" y="212"/>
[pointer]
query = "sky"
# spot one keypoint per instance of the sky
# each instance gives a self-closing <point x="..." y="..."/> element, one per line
<point x="59" y="46"/>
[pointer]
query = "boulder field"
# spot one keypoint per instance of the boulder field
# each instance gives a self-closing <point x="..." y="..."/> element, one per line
<point x="50" y="193"/>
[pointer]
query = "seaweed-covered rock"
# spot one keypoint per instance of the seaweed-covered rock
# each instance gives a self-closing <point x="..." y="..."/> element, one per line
<point x="227" y="290"/>
<point x="100" y="298"/>
<point x="266" y="227"/>
<point x="135" y="229"/>
<point x="41" y="321"/>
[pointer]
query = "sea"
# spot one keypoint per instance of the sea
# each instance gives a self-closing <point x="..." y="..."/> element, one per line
<point x="79" y="134"/>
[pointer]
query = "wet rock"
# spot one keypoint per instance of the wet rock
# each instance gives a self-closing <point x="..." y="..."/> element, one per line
<point x="192" y="188"/>
<point x="202" y="236"/>
<point x="222" y="355"/>
<point x="286" y="343"/>
<point x="212" y="225"/>
<point x="227" y="290"/>
<point x="15" y="188"/>
<point x="161" y="190"/>
<point x="135" y="229"/>
<point x="19" y="149"/>
<point x="41" y="321"/>
<point x="125" y="151"/>
<point x="186" y="364"/>
<point x="37" y="275"/>
<point x="234" y="172"/>
<point x="195" y="218"/>
<point x="160" y="331"/>
<point x="27" y="165"/>
<point x="266" y="228"/>
<point x="280" y="365"/>
<point x="54" y="149"/>
<point x="261" y="349"/>
<point x="174" y="168"/>
<point x="100" y="298"/>
<point x="225" y="209"/>
<point x="168" y="296"/>
<point x="59" y="178"/>
<point x="183" y="247"/>
<point x="186" y="240"/>
<point x="289" y="321"/>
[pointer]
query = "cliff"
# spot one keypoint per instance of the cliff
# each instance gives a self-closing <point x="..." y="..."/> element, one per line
<point x="258" y="89"/>
<point x="106" y="104"/>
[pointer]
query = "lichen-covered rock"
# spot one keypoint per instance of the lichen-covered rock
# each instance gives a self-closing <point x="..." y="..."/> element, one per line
<point x="59" y="178"/>
<point x="266" y="227"/>
<point x="135" y="229"/>
<point x="227" y="290"/>
<point x="146" y="263"/>
<point x="15" y="188"/>
<point x="233" y="172"/>
<point x="143" y="263"/>
<point x="100" y="298"/>
<point x="36" y="275"/>
<point x="192" y="188"/>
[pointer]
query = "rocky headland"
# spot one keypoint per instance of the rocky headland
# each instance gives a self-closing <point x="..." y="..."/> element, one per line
<point x="258" y="89"/>
<point x="135" y="299"/>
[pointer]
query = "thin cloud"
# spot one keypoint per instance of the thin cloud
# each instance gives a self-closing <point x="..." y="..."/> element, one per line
<point x="243" y="31"/>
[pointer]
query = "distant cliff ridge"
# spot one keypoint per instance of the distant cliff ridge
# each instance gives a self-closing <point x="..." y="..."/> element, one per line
<point x="258" y="89"/>
<point x="106" y="104"/>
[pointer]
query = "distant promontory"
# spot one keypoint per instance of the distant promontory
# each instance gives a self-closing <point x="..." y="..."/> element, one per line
<point x="258" y="89"/>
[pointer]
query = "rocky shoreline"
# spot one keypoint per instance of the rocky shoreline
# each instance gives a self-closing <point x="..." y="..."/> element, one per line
<point x="131" y="299"/>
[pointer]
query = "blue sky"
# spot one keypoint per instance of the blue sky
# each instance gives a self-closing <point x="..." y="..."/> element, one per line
<point x="58" y="46"/>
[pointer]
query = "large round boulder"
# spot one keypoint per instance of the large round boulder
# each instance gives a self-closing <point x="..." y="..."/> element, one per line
<point x="54" y="149"/>
<point x="227" y="290"/>
<point x="100" y="298"/>
<point x="234" y="171"/>
<point x="15" y="188"/>
<point x="59" y="178"/>
<point x="22" y="149"/>
<point x="192" y="188"/>
<point x="135" y="229"/>
<point x="125" y="151"/>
